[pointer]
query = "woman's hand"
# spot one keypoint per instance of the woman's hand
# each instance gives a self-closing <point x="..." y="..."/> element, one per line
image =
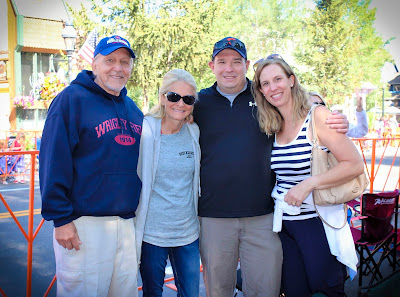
<point x="297" y="194"/>
<point x="189" y="119"/>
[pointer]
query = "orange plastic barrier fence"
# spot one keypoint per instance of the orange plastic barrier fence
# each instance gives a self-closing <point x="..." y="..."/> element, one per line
<point x="381" y="157"/>
<point x="30" y="236"/>
<point x="14" y="168"/>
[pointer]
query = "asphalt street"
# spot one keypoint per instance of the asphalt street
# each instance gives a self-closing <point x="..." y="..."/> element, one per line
<point x="13" y="247"/>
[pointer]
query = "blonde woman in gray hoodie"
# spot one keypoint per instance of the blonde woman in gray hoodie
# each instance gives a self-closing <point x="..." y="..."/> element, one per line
<point x="169" y="164"/>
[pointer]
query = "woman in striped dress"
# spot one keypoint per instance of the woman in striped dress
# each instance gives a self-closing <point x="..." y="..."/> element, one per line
<point x="314" y="256"/>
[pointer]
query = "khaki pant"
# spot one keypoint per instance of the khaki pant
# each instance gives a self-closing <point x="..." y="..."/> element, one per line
<point x="224" y="240"/>
<point x="105" y="265"/>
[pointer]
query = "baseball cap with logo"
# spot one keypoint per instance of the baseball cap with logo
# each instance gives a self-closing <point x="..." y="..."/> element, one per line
<point x="232" y="43"/>
<point x="109" y="44"/>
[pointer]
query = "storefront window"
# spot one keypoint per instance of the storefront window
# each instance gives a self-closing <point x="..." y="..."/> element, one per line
<point x="26" y="71"/>
<point x="32" y="66"/>
<point x="27" y="116"/>
<point x="31" y="119"/>
<point x="42" y="113"/>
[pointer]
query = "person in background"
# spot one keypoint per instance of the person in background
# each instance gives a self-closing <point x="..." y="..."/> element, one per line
<point x="235" y="206"/>
<point x="380" y="126"/>
<point x="88" y="176"/>
<point x="17" y="161"/>
<point x="169" y="167"/>
<point x="20" y="166"/>
<point x="284" y="110"/>
<point x="3" y="162"/>
<point x="361" y="128"/>
<point x="19" y="143"/>
<point x="38" y="141"/>
<point x="356" y="131"/>
<point x="393" y="124"/>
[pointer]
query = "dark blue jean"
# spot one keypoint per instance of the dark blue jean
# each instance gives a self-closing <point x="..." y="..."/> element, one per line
<point x="185" y="262"/>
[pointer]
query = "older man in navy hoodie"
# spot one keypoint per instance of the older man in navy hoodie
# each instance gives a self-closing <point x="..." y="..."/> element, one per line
<point x="88" y="180"/>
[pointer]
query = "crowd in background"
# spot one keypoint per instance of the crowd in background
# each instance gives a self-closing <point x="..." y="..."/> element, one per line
<point x="13" y="167"/>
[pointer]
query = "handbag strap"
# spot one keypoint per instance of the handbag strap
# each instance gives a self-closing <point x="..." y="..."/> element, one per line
<point x="314" y="135"/>
<point x="316" y="145"/>
<point x="329" y="225"/>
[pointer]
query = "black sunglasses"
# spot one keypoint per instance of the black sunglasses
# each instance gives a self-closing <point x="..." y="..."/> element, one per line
<point x="224" y="43"/>
<point x="175" y="97"/>
<point x="270" y="57"/>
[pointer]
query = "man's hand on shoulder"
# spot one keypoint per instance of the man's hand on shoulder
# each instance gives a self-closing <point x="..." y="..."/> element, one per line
<point x="67" y="236"/>
<point x="189" y="119"/>
<point x="338" y="121"/>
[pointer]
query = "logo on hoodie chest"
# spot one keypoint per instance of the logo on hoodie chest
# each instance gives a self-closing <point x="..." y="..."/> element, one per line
<point x="122" y="138"/>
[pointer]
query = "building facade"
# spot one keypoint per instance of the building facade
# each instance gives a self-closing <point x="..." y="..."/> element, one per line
<point x="31" y="47"/>
<point x="394" y="90"/>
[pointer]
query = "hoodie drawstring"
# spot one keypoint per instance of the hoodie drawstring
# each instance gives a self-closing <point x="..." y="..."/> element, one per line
<point x="126" y="115"/>
<point x="127" y="118"/>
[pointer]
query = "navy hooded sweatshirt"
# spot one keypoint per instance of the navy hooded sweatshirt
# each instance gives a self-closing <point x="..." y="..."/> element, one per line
<point x="89" y="152"/>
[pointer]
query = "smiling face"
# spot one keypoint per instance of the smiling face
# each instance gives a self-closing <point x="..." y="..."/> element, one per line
<point x="276" y="86"/>
<point x="178" y="111"/>
<point x="230" y="70"/>
<point x="113" y="71"/>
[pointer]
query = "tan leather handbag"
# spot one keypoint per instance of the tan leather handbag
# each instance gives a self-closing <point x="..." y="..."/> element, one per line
<point x="322" y="161"/>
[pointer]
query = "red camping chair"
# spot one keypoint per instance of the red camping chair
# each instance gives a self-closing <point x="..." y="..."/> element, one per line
<point x="376" y="234"/>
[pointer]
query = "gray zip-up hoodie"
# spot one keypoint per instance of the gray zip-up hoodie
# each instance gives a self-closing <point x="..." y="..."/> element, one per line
<point x="147" y="166"/>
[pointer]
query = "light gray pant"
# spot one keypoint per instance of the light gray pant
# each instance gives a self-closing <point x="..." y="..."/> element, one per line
<point x="224" y="240"/>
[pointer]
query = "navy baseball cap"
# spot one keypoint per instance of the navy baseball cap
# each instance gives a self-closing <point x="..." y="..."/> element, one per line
<point x="232" y="43"/>
<point x="109" y="44"/>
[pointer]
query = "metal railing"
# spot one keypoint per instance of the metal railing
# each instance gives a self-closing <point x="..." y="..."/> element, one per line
<point x="31" y="235"/>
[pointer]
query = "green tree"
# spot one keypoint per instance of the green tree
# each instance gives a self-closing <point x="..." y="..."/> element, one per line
<point x="84" y="23"/>
<point x="371" y="54"/>
<point x="333" y="46"/>
<point x="173" y="34"/>
<point x="266" y="27"/>
<point x="341" y="48"/>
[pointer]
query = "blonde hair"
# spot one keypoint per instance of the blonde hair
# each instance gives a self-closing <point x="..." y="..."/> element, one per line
<point x="317" y="95"/>
<point x="269" y="118"/>
<point x="171" y="77"/>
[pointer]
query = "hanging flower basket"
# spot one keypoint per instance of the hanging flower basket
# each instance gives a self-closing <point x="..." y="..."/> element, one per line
<point x="23" y="101"/>
<point x="49" y="87"/>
